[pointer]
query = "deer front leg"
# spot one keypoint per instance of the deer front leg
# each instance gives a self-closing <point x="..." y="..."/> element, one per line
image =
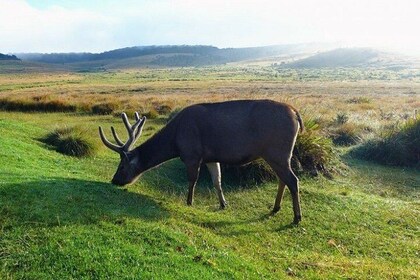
<point x="216" y="177"/>
<point x="193" y="169"/>
<point x="279" y="197"/>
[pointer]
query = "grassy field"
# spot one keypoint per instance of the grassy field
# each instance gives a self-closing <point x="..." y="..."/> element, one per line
<point x="61" y="218"/>
<point x="384" y="91"/>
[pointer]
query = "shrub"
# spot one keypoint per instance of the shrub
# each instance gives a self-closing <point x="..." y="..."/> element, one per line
<point x="346" y="135"/>
<point x="400" y="147"/>
<point x="71" y="141"/>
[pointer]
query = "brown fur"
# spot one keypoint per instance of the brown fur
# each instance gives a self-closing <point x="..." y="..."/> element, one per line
<point x="233" y="132"/>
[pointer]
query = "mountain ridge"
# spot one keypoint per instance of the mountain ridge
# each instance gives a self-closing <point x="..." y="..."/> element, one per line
<point x="310" y="55"/>
<point x="214" y="55"/>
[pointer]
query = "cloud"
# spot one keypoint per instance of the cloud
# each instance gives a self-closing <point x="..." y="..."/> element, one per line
<point x="24" y="28"/>
<point x="104" y="25"/>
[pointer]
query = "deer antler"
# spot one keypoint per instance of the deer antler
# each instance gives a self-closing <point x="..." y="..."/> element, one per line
<point x="134" y="132"/>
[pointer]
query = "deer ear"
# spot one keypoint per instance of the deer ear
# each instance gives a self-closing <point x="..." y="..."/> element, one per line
<point x="134" y="161"/>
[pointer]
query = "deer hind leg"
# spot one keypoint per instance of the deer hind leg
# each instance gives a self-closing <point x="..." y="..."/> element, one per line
<point x="216" y="177"/>
<point x="286" y="176"/>
<point x="193" y="170"/>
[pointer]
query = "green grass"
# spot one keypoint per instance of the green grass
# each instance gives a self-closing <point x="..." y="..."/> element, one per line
<point x="61" y="219"/>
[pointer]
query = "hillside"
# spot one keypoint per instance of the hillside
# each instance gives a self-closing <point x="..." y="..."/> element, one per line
<point x="20" y="66"/>
<point x="281" y="56"/>
<point x="8" y="57"/>
<point x="183" y="55"/>
<point x="353" y="57"/>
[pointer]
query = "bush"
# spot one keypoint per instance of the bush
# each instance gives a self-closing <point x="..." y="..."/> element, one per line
<point x="71" y="141"/>
<point x="399" y="146"/>
<point x="346" y="135"/>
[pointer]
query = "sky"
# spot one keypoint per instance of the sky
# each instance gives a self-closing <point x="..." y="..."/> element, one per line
<point x="96" y="26"/>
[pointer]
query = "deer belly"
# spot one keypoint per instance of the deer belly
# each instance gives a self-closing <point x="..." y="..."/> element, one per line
<point x="228" y="156"/>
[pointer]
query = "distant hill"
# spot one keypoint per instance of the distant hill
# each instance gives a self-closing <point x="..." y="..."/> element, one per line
<point x="19" y="66"/>
<point x="337" y="58"/>
<point x="354" y="57"/>
<point x="178" y="55"/>
<point x="284" y="56"/>
<point x="8" y="57"/>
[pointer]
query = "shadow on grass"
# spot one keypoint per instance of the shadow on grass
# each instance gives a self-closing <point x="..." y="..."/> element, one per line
<point x="60" y="201"/>
<point x="391" y="181"/>
<point x="171" y="178"/>
<point x="263" y="222"/>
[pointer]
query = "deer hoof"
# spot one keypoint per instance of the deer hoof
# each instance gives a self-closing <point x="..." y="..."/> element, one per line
<point x="297" y="219"/>
<point x="275" y="210"/>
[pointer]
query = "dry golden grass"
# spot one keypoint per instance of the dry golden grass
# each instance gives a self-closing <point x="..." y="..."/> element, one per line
<point x="366" y="102"/>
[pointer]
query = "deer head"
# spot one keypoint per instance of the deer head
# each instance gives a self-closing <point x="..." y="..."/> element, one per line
<point x="127" y="171"/>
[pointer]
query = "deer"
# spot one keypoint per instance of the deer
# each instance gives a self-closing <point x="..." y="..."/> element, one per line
<point x="231" y="132"/>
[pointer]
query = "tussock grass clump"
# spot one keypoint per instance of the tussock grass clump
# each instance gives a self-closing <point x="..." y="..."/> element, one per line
<point x="313" y="155"/>
<point x="104" y="108"/>
<point x="152" y="114"/>
<point x="252" y="173"/>
<point x="346" y="135"/>
<point x="71" y="141"/>
<point x="359" y="100"/>
<point x="55" y="136"/>
<point x="164" y="109"/>
<point x="341" y="118"/>
<point x="398" y="146"/>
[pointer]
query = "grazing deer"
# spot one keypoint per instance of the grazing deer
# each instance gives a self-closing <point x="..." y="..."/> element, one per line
<point x="233" y="132"/>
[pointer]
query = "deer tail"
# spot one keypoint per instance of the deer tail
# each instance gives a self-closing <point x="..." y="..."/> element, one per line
<point x="299" y="119"/>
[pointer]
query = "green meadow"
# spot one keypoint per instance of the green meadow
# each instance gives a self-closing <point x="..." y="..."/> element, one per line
<point x="61" y="218"/>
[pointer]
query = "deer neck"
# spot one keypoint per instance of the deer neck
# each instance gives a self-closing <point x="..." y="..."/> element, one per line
<point x="157" y="149"/>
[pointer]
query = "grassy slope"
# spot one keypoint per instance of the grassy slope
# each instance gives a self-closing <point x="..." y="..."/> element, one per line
<point x="60" y="218"/>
